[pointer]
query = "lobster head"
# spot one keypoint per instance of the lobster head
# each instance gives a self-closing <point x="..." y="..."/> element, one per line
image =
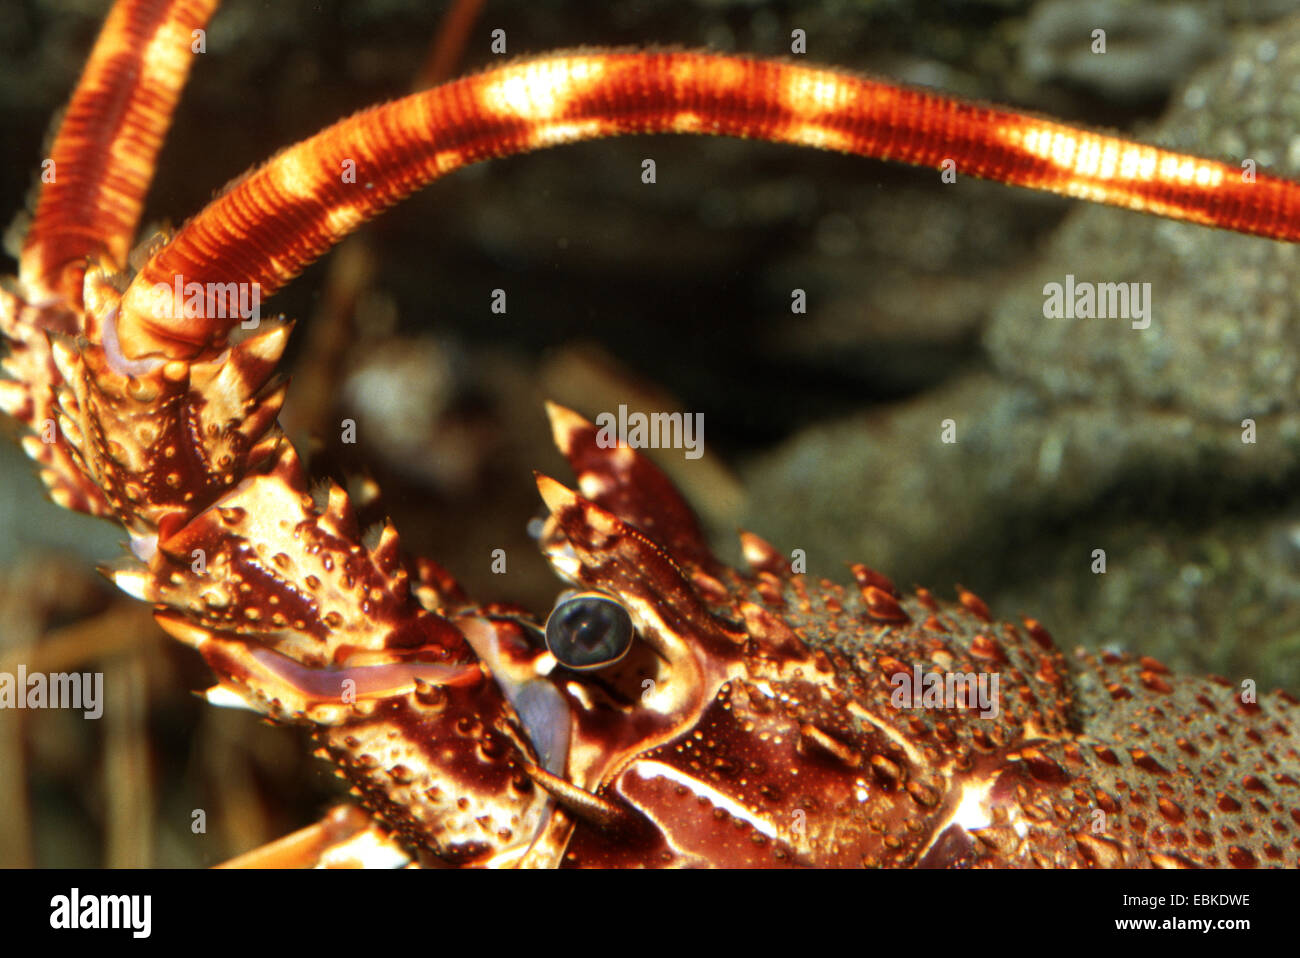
<point x="482" y="734"/>
<point x="669" y="710"/>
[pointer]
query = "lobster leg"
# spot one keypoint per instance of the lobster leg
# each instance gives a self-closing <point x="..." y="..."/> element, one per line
<point x="345" y="837"/>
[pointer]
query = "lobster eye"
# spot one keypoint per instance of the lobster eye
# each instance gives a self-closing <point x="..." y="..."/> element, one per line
<point x="587" y="630"/>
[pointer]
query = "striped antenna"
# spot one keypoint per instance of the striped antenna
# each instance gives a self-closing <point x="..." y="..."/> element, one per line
<point x="282" y="216"/>
<point x="95" y="179"/>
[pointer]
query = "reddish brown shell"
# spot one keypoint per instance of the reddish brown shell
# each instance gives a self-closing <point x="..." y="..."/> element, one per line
<point x="784" y="721"/>
<point x="796" y="749"/>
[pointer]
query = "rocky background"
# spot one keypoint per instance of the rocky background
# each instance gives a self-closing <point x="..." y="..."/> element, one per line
<point x="822" y="430"/>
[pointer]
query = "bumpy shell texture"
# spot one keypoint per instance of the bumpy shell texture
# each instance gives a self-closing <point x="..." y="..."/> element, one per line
<point x="809" y="740"/>
<point x="760" y="718"/>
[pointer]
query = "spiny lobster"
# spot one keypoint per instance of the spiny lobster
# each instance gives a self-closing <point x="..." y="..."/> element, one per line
<point x="672" y="710"/>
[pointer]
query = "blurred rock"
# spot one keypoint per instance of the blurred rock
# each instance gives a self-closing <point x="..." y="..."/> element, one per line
<point x="1149" y="46"/>
<point x="1091" y="424"/>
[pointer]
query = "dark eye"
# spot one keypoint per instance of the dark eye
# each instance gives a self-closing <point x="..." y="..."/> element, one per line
<point x="587" y="631"/>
